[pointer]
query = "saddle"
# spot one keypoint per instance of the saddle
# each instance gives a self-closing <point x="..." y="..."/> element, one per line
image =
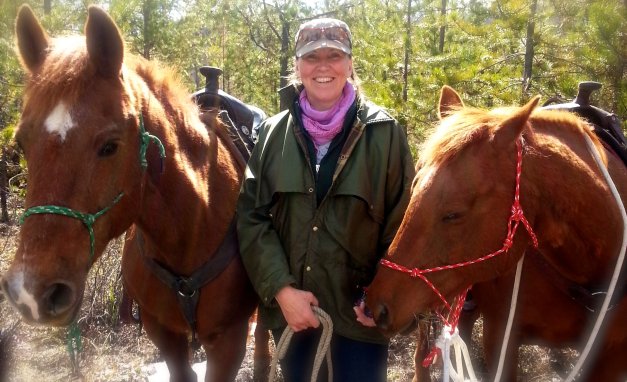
<point x="242" y="120"/>
<point x="608" y="128"/>
<point x="606" y="125"/>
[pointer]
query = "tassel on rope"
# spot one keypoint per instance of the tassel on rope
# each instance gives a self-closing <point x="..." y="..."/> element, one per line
<point x="74" y="345"/>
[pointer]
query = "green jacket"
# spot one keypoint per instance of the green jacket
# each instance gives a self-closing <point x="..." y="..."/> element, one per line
<point x="331" y="249"/>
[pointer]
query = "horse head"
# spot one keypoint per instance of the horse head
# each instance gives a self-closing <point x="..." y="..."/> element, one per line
<point x="80" y="132"/>
<point x="460" y="204"/>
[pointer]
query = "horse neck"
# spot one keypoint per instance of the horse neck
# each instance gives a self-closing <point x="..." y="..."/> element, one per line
<point x="187" y="208"/>
<point x="576" y="218"/>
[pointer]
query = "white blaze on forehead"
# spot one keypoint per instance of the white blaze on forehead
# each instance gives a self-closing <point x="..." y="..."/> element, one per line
<point x="426" y="177"/>
<point x="23" y="297"/>
<point x="59" y="121"/>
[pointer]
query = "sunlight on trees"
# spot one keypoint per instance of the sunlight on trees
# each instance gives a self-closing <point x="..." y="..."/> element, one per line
<point x="476" y="46"/>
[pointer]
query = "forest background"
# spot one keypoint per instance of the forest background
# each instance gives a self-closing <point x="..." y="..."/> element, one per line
<point x="494" y="52"/>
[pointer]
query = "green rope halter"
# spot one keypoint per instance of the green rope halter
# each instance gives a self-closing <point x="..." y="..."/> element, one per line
<point x="74" y="343"/>
<point x="87" y="219"/>
<point x="145" y="138"/>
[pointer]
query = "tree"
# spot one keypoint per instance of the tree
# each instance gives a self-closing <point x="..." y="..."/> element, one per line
<point x="404" y="50"/>
<point x="442" y="26"/>
<point x="407" y="50"/>
<point x="529" y="48"/>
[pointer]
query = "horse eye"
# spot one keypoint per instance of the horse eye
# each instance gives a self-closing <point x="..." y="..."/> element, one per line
<point x="451" y="216"/>
<point x="108" y="149"/>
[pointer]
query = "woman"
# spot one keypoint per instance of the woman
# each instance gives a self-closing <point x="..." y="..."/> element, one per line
<point x="324" y="193"/>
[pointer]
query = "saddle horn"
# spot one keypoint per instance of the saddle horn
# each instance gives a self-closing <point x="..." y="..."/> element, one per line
<point x="584" y="91"/>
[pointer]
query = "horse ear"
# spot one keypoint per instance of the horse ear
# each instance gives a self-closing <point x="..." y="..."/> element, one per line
<point x="510" y="129"/>
<point x="104" y="42"/>
<point x="32" y="40"/>
<point x="449" y="100"/>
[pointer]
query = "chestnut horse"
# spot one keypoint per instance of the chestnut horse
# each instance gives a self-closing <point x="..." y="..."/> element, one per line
<point x="112" y="142"/>
<point x="461" y="210"/>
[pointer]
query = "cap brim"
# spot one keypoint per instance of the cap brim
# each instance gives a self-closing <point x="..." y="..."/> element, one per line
<point x="322" y="43"/>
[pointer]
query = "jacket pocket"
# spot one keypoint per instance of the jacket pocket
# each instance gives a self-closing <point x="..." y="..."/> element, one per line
<point x="360" y="187"/>
<point x="351" y="221"/>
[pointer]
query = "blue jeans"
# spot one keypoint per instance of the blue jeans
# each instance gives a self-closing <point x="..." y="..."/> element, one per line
<point x="351" y="360"/>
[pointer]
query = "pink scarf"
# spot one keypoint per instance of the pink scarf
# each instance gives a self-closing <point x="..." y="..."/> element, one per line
<point x="323" y="126"/>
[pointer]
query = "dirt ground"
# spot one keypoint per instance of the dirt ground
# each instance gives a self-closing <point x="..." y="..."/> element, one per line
<point x="122" y="353"/>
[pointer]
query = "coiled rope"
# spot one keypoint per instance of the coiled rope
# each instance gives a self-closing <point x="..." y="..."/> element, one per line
<point x="322" y="350"/>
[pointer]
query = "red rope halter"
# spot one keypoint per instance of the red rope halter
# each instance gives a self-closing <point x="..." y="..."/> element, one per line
<point x="517" y="216"/>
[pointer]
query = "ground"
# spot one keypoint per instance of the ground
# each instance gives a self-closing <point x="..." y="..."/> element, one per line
<point x="118" y="352"/>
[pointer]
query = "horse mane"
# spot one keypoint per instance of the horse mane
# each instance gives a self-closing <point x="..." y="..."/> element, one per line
<point x="467" y="124"/>
<point x="161" y="80"/>
<point x="68" y="74"/>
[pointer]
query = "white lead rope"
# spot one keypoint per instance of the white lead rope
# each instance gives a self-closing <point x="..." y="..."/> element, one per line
<point x="619" y="263"/>
<point x="445" y="341"/>
<point x="510" y="319"/>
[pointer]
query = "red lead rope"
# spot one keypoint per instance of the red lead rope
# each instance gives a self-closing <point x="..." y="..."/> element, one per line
<point x="517" y="216"/>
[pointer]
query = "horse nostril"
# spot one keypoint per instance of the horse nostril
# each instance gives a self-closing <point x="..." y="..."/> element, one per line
<point x="382" y="318"/>
<point x="58" y="299"/>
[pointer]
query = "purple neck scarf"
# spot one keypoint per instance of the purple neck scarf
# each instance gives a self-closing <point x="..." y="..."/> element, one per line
<point x="323" y="126"/>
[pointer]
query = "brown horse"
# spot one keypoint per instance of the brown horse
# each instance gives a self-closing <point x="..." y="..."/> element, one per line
<point x="94" y="122"/>
<point x="462" y="200"/>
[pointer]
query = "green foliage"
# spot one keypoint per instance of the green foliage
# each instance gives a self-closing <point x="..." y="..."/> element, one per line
<point x="252" y="41"/>
<point x="11" y="76"/>
<point x="6" y="136"/>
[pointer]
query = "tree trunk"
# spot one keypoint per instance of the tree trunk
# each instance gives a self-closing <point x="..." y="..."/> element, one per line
<point x="146" y="9"/>
<point x="529" y="49"/>
<point x="407" y="50"/>
<point x="442" y="27"/>
<point x="4" y="187"/>
<point x="47" y="7"/>
<point x="284" y="60"/>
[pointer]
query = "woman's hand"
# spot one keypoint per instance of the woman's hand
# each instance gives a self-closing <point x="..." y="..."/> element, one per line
<point x="296" y="307"/>
<point x="362" y="317"/>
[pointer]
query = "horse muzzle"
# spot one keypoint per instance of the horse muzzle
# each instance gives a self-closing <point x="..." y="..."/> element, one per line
<point x="55" y="305"/>
<point x="381" y="317"/>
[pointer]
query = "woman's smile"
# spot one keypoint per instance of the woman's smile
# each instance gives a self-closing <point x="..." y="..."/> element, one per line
<point x="323" y="80"/>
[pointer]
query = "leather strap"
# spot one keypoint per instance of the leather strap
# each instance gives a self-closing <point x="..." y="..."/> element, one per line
<point x="187" y="288"/>
<point x="590" y="299"/>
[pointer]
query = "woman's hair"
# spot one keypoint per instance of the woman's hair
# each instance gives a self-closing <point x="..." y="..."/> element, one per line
<point x="294" y="80"/>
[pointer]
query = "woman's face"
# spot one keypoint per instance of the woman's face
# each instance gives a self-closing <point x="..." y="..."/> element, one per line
<point x="324" y="73"/>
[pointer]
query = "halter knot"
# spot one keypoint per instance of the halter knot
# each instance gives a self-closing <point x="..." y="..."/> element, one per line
<point x="89" y="220"/>
<point x="517" y="213"/>
<point x="145" y="138"/>
<point x="416" y="272"/>
<point x="507" y="244"/>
